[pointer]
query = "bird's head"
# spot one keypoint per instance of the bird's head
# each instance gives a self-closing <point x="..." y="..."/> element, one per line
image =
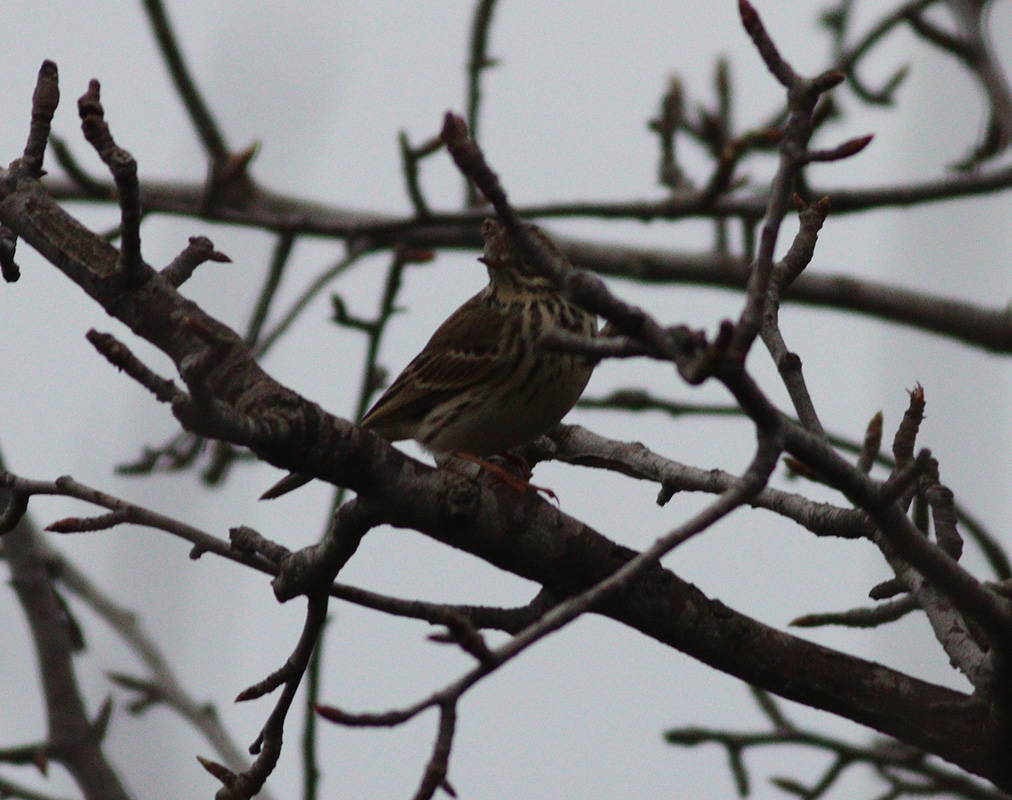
<point x="508" y="268"/>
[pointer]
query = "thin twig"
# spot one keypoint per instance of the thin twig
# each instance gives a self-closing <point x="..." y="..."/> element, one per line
<point x="199" y="251"/>
<point x="861" y="617"/>
<point x="73" y="739"/>
<point x="119" y="355"/>
<point x="124" y="173"/>
<point x="785" y="272"/>
<point x="279" y="259"/>
<point x="892" y="760"/>
<point x="477" y="64"/>
<point x="267" y="746"/>
<point x="44" y="103"/>
<point x="203" y="121"/>
<point x="163" y="686"/>
<point x="270" y="338"/>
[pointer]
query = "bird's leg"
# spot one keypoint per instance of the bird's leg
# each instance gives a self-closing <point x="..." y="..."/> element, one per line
<point x="507" y="477"/>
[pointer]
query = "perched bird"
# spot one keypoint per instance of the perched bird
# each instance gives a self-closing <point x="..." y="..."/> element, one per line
<point x="483" y="384"/>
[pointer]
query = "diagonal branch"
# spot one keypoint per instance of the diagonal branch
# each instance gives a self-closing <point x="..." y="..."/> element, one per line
<point x="162" y="683"/>
<point x="203" y="120"/>
<point x="73" y="740"/>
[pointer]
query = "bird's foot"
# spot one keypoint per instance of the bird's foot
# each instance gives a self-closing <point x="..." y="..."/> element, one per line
<point x="521" y="484"/>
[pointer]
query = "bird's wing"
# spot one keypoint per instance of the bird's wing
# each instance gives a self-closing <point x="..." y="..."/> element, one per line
<point x="462" y="352"/>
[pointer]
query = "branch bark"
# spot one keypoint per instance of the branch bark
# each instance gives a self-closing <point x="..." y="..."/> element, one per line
<point x="73" y="739"/>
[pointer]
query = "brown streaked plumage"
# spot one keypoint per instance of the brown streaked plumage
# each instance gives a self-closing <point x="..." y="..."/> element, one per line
<point x="482" y="385"/>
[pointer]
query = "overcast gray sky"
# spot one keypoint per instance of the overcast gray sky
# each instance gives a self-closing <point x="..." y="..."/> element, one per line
<point x="326" y="86"/>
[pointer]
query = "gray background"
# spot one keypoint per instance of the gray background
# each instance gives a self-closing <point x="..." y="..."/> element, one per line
<point x="326" y="87"/>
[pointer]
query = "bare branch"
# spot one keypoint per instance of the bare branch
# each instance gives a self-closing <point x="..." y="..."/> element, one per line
<point x="203" y="121"/>
<point x="198" y="251"/>
<point x="845" y="150"/>
<point x="124" y="173"/>
<point x="73" y="739"/>
<point x="119" y="355"/>
<point x="8" y="246"/>
<point x="267" y="746"/>
<point x="802" y="96"/>
<point x="894" y="762"/>
<point x="411" y="157"/>
<point x="163" y="685"/>
<point x="15" y="790"/>
<point x="478" y="63"/>
<point x="202" y="542"/>
<point x="784" y="274"/>
<point x="895" y="528"/>
<point x="44" y="103"/>
<point x="775" y="63"/>
<point x="435" y="771"/>
<point x="861" y="617"/>
<point x="576" y="445"/>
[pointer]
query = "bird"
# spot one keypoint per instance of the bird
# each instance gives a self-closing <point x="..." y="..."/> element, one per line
<point x="483" y="384"/>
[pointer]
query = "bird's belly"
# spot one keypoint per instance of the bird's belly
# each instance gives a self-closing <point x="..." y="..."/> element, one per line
<point x="509" y="417"/>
